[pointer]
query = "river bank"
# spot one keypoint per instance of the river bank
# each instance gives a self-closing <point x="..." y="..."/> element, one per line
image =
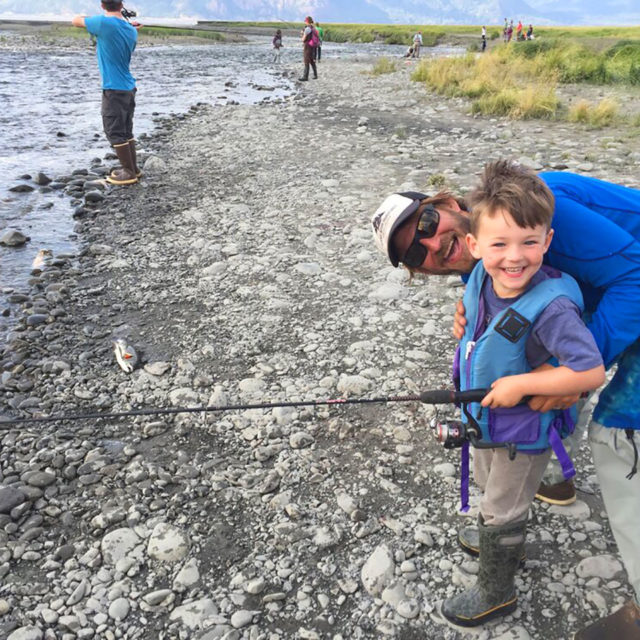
<point x="242" y="269"/>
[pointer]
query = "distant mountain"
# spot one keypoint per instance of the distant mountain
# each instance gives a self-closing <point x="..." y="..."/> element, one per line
<point x="576" y="12"/>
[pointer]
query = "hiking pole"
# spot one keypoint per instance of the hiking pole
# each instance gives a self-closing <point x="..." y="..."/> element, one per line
<point x="437" y="396"/>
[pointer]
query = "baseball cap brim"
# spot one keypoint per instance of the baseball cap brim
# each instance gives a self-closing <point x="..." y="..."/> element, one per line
<point x="390" y="215"/>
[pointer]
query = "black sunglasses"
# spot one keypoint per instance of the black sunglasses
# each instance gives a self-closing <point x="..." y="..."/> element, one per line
<point x="427" y="226"/>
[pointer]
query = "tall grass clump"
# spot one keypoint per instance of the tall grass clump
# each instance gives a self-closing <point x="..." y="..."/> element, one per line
<point x="578" y="62"/>
<point x="599" y="115"/>
<point x="383" y="65"/>
<point x="495" y="82"/>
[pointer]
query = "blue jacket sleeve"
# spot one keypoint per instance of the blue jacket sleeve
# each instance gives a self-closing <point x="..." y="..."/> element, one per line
<point x="605" y="260"/>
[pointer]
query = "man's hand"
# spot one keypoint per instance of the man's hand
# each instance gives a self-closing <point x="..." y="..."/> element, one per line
<point x="505" y="392"/>
<point x="78" y="21"/>
<point x="548" y="403"/>
<point x="459" y="321"/>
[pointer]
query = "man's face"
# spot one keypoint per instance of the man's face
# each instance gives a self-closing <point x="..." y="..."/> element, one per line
<point x="447" y="250"/>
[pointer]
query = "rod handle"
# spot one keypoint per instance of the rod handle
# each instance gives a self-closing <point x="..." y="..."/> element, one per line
<point x="449" y="396"/>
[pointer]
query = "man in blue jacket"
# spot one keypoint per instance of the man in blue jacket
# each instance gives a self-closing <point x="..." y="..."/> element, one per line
<point x="597" y="241"/>
<point x="116" y="39"/>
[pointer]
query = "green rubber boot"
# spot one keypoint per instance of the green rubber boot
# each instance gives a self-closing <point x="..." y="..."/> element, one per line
<point x="494" y="593"/>
<point x="469" y="541"/>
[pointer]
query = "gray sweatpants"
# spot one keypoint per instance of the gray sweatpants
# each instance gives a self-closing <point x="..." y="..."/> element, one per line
<point x="509" y="485"/>
<point x="613" y="458"/>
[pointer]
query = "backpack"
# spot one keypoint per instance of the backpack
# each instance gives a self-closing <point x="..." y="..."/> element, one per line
<point x="314" y="38"/>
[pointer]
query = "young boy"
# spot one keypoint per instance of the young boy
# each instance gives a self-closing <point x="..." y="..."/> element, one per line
<point x="520" y="314"/>
<point x="116" y="39"/>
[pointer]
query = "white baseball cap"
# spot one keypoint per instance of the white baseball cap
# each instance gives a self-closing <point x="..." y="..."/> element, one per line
<point x="390" y="215"/>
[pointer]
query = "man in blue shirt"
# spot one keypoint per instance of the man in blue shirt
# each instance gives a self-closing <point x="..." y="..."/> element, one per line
<point x="597" y="241"/>
<point x="116" y="39"/>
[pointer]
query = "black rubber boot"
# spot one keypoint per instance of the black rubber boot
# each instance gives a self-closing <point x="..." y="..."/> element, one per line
<point x="127" y="173"/>
<point x="315" y="70"/>
<point x="305" y="75"/>
<point x="134" y="155"/>
<point x="494" y="593"/>
<point x="469" y="541"/>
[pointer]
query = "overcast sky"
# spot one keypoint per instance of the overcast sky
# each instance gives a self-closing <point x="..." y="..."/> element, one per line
<point x="620" y="12"/>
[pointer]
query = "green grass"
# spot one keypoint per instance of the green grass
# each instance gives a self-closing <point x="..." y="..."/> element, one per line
<point x="167" y="32"/>
<point x="152" y="32"/>
<point x="383" y="65"/>
<point x="519" y="80"/>
<point x="600" y="115"/>
<point x="436" y="34"/>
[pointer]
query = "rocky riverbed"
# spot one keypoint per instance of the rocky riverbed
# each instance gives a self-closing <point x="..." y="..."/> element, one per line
<point x="242" y="269"/>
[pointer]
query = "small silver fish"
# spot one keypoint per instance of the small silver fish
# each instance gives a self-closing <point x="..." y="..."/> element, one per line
<point x="125" y="355"/>
<point x="41" y="257"/>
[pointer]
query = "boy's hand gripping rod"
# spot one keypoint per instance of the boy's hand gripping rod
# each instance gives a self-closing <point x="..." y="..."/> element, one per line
<point x="437" y="396"/>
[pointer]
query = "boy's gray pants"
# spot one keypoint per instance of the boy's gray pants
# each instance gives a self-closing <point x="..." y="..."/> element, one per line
<point x="509" y="485"/>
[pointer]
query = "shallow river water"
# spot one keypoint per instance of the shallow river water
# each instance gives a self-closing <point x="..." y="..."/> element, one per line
<point x="50" y="119"/>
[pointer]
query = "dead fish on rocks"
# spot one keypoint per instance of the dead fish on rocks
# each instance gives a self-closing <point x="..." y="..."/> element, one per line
<point x="43" y="256"/>
<point x="125" y="355"/>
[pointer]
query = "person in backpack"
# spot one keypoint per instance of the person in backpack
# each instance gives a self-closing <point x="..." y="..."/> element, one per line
<point x="116" y="40"/>
<point x="597" y="241"/>
<point x="310" y="41"/>
<point x="277" y="45"/>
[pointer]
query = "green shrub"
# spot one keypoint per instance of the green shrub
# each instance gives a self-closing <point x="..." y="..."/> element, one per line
<point x="437" y="181"/>
<point x="384" y="65"/>
<point x="604" y="113"/>
<point x="600" y="115"/>
<point x="495" y="104"/>
<point x="579" y="112"/>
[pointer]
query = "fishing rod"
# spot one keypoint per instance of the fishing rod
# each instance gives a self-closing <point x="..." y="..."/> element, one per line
<point x="436" y="396"/>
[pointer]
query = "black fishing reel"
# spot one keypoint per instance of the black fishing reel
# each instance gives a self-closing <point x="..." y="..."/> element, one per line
<point x="450" y="435"/>
<point x="455" y="434"/>
<point x="128" y="13"/>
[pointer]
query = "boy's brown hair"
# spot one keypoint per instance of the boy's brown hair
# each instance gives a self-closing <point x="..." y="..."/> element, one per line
<point x="514" y="188"/>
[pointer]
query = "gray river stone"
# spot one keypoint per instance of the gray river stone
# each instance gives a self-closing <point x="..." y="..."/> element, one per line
<point x="603" y="566"/>
<point x="41" y="479"/>
<point x="10" y="498"/>
<point x="378" y="571"/>
<point x="26" y="633"/>
<point x="167" y="543"/>
<point x="119" y="544"/>
<point x="119" y="609"/>
<point x="13" y="238"/>
<point x="194" y="614"/>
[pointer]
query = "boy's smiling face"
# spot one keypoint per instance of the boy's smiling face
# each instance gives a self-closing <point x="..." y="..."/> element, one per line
<point x="511" y="255"/>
